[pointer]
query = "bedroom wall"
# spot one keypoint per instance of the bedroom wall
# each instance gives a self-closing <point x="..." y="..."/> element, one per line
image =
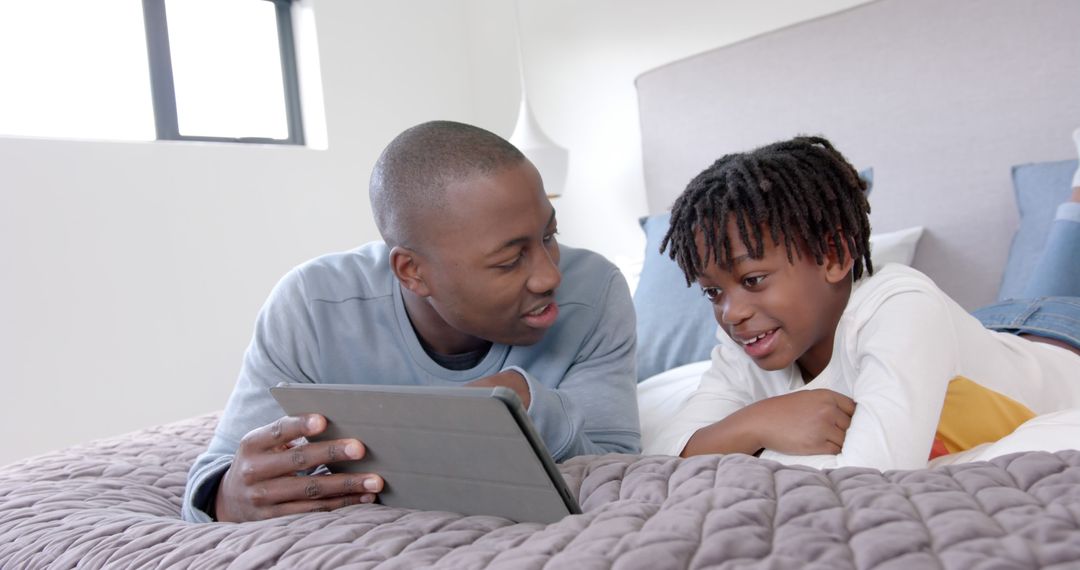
<point x="581" y="59"/>
<point x="132" y="272"/>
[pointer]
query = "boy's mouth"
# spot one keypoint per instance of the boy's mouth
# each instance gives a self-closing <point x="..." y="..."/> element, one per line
<point x="758" y="345"/>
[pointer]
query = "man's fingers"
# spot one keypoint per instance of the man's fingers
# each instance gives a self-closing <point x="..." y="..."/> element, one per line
<point x="321" y="505"/>
<point x="281" y="432"/>
<point x="313" y="488"/>
<point x="843" y="421"/>
<point x="301" y="457"/>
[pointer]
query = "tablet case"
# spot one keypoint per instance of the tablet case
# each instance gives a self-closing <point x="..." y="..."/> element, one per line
<point x="467" y="450"/>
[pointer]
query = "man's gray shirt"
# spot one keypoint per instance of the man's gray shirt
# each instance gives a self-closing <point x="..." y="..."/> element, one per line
<point x="340" y="319"/>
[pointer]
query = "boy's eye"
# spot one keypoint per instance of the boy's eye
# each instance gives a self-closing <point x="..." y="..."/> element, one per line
<point x="711" y="293"/>
<point x="751" y="282"/>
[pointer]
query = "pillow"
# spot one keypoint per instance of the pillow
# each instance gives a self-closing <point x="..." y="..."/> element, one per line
<point x="894" y="247"/>
<point x="1040" y="188"/>
<point x="675" y="323"/>
<point x="661" y="396"/>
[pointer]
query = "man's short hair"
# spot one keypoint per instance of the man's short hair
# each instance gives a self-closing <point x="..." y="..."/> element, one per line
<point x="413" y="171"/>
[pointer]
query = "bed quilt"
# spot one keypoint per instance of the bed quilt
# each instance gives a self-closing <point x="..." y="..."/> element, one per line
<point x="116" y="503"/>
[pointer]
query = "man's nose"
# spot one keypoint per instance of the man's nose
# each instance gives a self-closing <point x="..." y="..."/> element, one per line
<point x="546" y="276"/>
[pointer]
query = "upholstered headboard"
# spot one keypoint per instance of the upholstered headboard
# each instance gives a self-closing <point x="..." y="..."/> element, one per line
<point x="940" y="98"/>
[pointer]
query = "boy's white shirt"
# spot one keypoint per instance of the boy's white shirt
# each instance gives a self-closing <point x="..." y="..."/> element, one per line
<point x="898" y="344"/>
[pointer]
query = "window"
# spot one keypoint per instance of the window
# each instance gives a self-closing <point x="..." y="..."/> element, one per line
<point x="63" y="75"/>
<point x="211" y="70"/>
<point x="223" y="70"/>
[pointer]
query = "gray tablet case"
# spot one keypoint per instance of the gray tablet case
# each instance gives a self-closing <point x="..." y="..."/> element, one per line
<point x="465" y="450"/>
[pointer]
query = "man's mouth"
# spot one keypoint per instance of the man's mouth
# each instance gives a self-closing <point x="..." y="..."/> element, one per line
<point x="542" y="316"/>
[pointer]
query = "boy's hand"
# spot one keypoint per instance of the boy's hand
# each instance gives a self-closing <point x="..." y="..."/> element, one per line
<point x="262" y="483"/>
<point x="807" y="422"/>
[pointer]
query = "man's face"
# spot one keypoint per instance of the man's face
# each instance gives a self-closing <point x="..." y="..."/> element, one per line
<point x="779" y="312"/>
<point x="491" y="261"/>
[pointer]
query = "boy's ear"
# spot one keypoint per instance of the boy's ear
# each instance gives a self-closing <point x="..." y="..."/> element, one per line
<point x="405" y="263"/>
<point x="835" y="270"/>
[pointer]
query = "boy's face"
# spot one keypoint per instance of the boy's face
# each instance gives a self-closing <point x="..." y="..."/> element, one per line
<point x="494" y="263"/>
<point x="779" y="312"/>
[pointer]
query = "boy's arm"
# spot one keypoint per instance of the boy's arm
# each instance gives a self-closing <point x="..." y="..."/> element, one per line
<point x="805" y="422"/>
<point x="905" y="356"/>
<point x="722" y="392"/>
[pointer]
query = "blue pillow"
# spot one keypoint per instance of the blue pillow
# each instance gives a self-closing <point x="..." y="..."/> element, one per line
<point x="1040" y="188"/>
<point x="675" y="323"/>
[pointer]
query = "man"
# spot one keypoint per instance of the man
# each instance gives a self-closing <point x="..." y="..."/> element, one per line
<point x="469" y="287"/>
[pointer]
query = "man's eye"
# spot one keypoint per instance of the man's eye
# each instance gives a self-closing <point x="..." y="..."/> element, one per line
<point x="711" y="293"/>
<point x="512" y="263"/>
<point x="551" y="237"/>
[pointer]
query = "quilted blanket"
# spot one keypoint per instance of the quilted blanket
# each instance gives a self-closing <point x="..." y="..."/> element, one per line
<point x="116" y="503"/>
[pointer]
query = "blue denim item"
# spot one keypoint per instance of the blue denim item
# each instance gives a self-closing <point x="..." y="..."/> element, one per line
<point x="1057" y="273"/>
<point x="1040" y="189"/>
<point x="1052" y="317"/>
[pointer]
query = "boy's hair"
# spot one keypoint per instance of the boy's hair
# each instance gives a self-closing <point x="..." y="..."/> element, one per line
<point x="804" y="190"/>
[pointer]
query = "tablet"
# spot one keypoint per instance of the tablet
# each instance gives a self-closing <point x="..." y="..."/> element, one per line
<point x="466" y="450"/>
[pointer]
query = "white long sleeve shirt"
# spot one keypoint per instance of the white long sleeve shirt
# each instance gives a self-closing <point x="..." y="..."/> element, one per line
<point x="900" y="343"/>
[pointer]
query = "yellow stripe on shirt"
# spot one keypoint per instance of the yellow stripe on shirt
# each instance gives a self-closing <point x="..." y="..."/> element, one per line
<point x="974" y="414"/>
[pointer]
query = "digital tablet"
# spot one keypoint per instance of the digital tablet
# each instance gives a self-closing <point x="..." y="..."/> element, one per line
<point x="466" y="450"/>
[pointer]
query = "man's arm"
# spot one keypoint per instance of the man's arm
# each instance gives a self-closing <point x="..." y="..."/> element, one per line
<point x="594" y="408"/>
<point x="243" y="472"/>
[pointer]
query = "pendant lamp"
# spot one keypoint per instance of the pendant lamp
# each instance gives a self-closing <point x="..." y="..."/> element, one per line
<point x="548" y="158"/>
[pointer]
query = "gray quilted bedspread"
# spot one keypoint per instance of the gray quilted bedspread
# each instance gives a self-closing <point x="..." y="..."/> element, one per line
<point x="116" y="503"/>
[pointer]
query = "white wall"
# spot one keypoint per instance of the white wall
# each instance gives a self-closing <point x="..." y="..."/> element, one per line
<point x="132" y="272"/>
<point x="581" y="59"/>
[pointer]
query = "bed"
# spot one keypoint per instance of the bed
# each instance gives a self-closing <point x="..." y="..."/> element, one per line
<point x="941" y="100"/>
<point x="116" y="503"/>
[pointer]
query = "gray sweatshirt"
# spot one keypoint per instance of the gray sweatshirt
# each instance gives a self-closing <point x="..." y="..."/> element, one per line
<point x="340" y="318"/>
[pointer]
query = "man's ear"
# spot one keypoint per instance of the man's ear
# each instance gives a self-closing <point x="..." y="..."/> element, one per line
<point x="405" y="263"/>
<point x="835" y="270"/>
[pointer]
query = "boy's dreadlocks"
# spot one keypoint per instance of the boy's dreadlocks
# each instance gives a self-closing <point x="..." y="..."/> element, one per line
<point x="804" y="190"/>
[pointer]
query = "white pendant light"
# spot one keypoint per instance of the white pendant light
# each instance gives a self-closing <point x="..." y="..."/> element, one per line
<point x="548" y="158"/>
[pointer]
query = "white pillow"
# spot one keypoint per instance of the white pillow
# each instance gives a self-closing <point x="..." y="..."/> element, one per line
<point x="888" y="247"/>
<point x="630" y="266"/>
<point x="894" y="247"/>
<point x="1076" y="176"/>
<point x="660" y="396"/>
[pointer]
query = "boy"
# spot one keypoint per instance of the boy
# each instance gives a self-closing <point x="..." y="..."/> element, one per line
<point x="468" y="287"/>
<point x="819" y="364"/>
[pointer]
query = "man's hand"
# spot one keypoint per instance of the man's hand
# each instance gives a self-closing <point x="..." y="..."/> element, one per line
<point x="509" y="379"/>
<point x="806" y="422"/>
<point x="262" y="482"/>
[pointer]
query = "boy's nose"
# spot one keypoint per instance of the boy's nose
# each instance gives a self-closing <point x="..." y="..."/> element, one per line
<point x="732" y="311"/>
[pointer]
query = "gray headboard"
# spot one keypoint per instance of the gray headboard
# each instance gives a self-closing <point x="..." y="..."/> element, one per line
<point x="941" y="98"/>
